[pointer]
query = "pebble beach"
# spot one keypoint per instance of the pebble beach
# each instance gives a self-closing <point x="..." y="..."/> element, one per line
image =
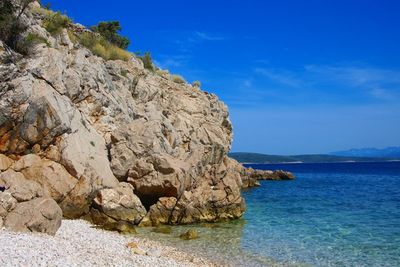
<point x="78" y="243"/>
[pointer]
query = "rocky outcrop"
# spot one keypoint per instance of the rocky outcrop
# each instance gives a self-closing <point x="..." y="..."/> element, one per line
<point x="250" y="176"/>
<point x="110" y="139"/>
<point x="270" y="175"/>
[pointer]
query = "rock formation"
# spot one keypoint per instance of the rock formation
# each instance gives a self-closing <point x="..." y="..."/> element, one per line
<point x="108" y="138"/>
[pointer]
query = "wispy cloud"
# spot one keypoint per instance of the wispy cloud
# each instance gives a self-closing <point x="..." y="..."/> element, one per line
<point x="247" y="83"/>
<point x="168" y="61"/>
<point x="377" y="82"/>
<point x="209" y="37"/>
<point x="281" y="76"/>
<point x="188" y="39"/>
<point x="355" y="75"/>
<point x="382" y="93"/>
<point x="184" y="44"/>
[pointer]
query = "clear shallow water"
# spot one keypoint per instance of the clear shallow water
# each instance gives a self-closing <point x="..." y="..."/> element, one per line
<point x="335" y="214"/>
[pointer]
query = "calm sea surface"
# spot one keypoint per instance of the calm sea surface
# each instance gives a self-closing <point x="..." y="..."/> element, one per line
<point x="334" y="214"/>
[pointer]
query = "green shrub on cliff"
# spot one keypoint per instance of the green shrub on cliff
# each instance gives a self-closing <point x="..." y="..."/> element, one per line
<point x="44" y="12"/>
<point x="109" y="30"/>
<point x="102" y="48"/>
<point x="26" y="44"/>
<point x="163" y="73"/>
<point x="196" y="84"/>
<point x="178" y="79"/>
<point x="55" y="23"/>
<point x="148" y="61"/>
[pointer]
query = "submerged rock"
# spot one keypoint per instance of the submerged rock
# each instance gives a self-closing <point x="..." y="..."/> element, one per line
<point x="163" y="229"/>
<point x="122" y="227"/>
<point x="190" y="234"/>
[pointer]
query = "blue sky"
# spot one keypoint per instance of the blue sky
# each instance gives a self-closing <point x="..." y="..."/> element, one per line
<point x="298" y="76"/>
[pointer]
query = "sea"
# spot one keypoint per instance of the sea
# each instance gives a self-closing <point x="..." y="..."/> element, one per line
<point x="332" y="214"/>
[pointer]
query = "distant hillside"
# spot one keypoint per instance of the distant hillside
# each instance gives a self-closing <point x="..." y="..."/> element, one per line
<point x="389" y="152"/>
<point x="262" y="158"/>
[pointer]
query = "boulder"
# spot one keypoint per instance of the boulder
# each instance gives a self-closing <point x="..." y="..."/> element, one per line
<point x="24" y="206"/>
<point x="38" y="215"/>
<point x="117" y="204"/>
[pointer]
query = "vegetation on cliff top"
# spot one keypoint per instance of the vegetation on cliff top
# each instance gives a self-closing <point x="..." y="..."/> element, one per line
<point x="104" y="39"/>
<point x="54" y="23"/>
<point x="102" y="48"/>
<point x="109" y="31"/>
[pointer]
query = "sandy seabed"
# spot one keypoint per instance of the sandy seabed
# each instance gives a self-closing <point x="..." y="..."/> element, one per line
<point x="77" y="243"/>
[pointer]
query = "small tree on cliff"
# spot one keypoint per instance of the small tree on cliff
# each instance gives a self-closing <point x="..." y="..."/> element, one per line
<point x="148" y="61"/>
<point x="109" y="30"/>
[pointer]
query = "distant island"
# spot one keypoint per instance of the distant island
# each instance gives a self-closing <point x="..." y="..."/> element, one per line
<point x="388" y="152"/>
<point x="245" y="157"/>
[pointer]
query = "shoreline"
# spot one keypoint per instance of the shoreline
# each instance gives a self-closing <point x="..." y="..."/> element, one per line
<point x="78" y="243"/>
<point x="302" y="162"/>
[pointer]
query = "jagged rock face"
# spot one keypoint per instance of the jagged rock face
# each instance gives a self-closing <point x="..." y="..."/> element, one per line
<point x="94" y="125"/>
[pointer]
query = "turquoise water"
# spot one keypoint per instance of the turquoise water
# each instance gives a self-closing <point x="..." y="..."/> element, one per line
<point x="345" y="214"/>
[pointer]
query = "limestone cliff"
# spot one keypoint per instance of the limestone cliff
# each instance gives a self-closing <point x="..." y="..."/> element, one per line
<point x="110" y="138"/>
